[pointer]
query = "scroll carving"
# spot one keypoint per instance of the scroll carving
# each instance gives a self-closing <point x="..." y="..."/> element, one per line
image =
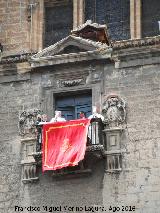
<point x="69" y="83"/>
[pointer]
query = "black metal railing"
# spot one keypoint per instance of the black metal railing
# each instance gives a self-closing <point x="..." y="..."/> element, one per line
<point x="95" y="131"/>
<point x="95" y="145"/>
<point x="94" y="138"/>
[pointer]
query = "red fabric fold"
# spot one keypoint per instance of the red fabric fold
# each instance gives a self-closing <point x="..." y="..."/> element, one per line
<point x="64" y="143"/>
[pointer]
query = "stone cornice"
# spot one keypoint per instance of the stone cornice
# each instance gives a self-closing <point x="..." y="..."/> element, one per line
<point x="15" y="58"/>
<point x="55" y="48"/>
<point x="126" y="53"/>
<point x="71" y="57"/>
<point x="148" y="41"/>
<point x="89" y="23"/>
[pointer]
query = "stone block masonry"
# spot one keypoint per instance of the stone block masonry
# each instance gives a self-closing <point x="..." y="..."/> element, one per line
<point x="14" y="26"/>
<point x="138" y="184"/>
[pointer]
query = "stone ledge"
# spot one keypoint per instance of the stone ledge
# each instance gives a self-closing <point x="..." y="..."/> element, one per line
<point x="113" y="171"/>
<point x="70" y="58"/>
<point x="24" y="140"/>
<point x="93" y="148"/>
<point x="16" y="58"/>
<point x="136" y="42"/>
<point x="114" y="129"/>
<point x="115" y="152"/>
<point x="28" y="162"/>
<point x="72" y="173"/>
<point x="30" y="180"/>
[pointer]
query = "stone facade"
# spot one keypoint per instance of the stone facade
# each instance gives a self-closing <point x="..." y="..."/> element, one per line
<point x="128" y="70"/>
<point x="14" y="26"/>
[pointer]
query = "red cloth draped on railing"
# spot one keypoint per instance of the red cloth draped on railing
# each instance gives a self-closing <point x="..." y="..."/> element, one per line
<point x="64" y="143"/>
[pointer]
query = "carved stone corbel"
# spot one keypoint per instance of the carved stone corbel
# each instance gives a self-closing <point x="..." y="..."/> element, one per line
<point x="113" y="149"/>
<point x="27" y="129"/>
<point x="114" y="112"/>
<point x="29" y="172"/>
<point x="28" y="163"/>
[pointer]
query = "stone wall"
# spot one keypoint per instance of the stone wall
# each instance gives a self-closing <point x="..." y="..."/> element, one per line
<point x="17" y="95"/>
<point x="138" y="184"/>
<point x="14" y="26"/>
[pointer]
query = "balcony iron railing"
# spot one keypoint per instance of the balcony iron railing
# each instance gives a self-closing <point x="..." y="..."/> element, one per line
<point x="94" y="139"/>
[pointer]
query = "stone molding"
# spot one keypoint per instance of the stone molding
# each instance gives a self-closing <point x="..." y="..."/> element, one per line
<point x="28" y="162"/>
<point x="69" y="58"/>
<point x="51" y="56"/>
<point x="16" y="58"/>
<point x="148" y="41"/>
<point x="70" y="83"/>
<point x="87" y="44"/>
<point x="91" y="24"/>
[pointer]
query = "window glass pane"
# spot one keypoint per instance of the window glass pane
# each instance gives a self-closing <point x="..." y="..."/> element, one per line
<point x="58" y="22"/>
<point x="150" y="17"/>
<point x="72" y="105"/>
<point x="114" y="13"/>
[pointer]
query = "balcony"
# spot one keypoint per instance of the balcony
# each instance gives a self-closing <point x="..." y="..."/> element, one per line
<point x="94" y="149"/>
<point x="105" y="140"/>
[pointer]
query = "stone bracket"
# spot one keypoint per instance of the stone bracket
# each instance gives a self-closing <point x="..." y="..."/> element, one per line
<point x="29" y="172"/>
<point x="28" y="162"/>
<point x="113" y="149"/>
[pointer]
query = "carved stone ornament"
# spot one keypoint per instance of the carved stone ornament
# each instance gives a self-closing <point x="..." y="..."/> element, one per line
<point x="28" y="162"/>
<point x="29" y="173"/>
<point x="114" y="111"/>
<point x="27" y="121"/>
<point x="72" y="83"/>
<point x="69" y="83"/>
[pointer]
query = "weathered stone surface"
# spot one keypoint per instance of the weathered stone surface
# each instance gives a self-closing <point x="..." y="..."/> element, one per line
<point x="138" y="182"/>
<point x="130" y="71"/>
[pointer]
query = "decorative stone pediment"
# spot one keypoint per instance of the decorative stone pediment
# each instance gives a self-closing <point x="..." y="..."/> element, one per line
<point x="70" y="49"/>
<point x="92" y="31"/>
<point x="70" y="44"/>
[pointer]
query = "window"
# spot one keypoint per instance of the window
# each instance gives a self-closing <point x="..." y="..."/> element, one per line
<point x="71" y="105"/>
<point x="58" y="21"/>
<point x="114" y="13"/>
<point x="150" y="17"/>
